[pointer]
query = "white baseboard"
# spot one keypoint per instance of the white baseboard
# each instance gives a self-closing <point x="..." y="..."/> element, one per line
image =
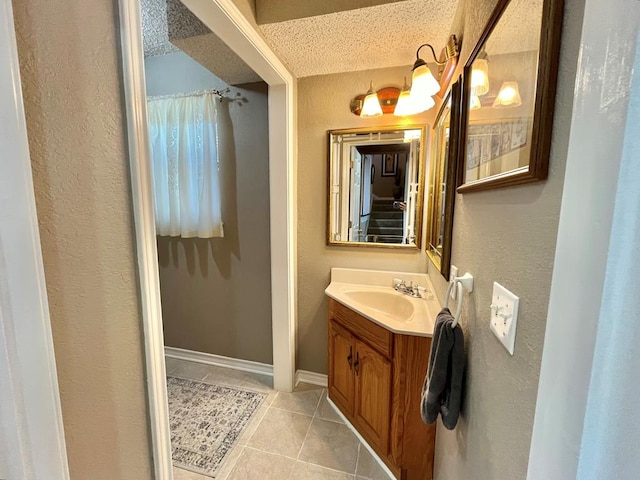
<point x="219" y="361"/>
<point x="364" y="442"/>
<point x="243" y="365"/>
<point x="313" y="378"/>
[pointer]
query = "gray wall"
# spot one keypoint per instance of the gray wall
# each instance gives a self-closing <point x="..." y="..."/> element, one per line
<point x="71" y="78"/>
<point x="509" y="236"/>
<point x="323" y="104"/>
<point x="216" y="293"/>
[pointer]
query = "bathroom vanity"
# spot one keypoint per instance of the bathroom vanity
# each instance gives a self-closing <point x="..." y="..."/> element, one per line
<point x="379" y="343"/>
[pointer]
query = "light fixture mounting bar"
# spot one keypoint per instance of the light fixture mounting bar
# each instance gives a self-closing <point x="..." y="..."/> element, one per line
<point x="451" y="50"/>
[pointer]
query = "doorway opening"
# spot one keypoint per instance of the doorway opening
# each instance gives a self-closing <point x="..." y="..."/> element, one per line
<point x="224" y="19"/>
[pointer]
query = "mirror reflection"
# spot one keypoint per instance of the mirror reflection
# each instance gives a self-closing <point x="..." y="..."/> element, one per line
<point x="375" y="186"/>
<point x="438" y="185"/>
<point x="502" y="97"/>
<point x="443" y="178"/>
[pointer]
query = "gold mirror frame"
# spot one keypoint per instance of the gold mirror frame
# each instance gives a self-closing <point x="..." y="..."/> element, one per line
<point x="419" y="194"/>
<point x="536" y="144"/>
<point x="443" y="180"/>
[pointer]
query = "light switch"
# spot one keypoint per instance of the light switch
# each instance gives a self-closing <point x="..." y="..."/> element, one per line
<point x="504" y="316"/>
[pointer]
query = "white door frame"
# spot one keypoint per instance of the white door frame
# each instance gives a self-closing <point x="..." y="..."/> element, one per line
<point x="32" y="444"/>
<point x="228" y="23"/>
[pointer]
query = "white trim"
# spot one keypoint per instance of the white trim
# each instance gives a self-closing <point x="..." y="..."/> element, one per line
<point x="362" y="440"/>
<point x="226" y="21"/>
<point x="144" y="218"/>
<point x="32" y="439"/>
<point x="219" y="361"/>
<point x="312" y="378"/>
<point x="229" y="24"/>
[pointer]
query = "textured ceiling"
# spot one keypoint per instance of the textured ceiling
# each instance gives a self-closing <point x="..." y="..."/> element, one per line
<point x="518" y="30"/>
<point x="368" y="38"/>
<point x="155" y="35"/>
<point x="168" y="27"/>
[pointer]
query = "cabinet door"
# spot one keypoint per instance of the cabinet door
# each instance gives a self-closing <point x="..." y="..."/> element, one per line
<point x="341" y="355"/>
<point x="372" y="407"/>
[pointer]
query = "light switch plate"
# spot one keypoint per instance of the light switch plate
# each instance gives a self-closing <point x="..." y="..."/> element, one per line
<point x="504" y="316"/>
<point x="453" y="273"/>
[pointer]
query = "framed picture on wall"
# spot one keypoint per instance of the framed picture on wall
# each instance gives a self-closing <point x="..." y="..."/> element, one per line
<point x="389" y="165"/>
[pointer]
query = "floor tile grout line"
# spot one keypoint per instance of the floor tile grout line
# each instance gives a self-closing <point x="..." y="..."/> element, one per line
<point x="271" y="453"/>
<point x="315" y="411"/>
<point x="358" y="459"/>
<point x="305" y="439"/>
<point x="327" y="468"/>
<point x="291" y="411"/>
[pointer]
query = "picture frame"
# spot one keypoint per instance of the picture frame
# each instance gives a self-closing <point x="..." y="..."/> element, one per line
<point x="389" y="165"/>
<point x="506" y="122"/>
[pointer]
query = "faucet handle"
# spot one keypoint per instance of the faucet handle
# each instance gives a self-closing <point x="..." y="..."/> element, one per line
<point x="398" y="282"/>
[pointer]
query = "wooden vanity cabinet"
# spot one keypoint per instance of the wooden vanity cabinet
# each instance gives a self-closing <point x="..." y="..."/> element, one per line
<point x="375" y="379"/>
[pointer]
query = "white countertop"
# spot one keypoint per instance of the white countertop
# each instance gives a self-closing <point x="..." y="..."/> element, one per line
<point x="371" y="294"/>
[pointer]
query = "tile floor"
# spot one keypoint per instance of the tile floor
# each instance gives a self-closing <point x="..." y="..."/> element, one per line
<point x="291" y="436"/>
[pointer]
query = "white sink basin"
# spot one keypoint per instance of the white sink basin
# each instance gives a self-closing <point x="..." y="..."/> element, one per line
<point x="371" y="294"/>
<point x="392" y="303"/>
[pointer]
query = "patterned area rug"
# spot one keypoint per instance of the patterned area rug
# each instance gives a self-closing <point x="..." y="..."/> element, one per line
<point x="206" y="420"/>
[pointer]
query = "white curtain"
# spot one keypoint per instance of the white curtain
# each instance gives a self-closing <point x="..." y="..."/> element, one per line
<point x="184" y="152"/>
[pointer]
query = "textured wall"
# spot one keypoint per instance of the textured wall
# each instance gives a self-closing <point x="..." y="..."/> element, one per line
<point x="508" y="236"/>
<point x="69" y="56"/>
<point x="216" y="293"/>
<point x="323" y="104"/>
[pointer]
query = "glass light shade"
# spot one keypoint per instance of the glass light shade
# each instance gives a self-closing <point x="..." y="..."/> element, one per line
<point x="508" y="96"/>
<point x="480" y="76"/>
<point x="420" y="102"/>
<point x="404" y="105"/>
<point x="474" y="102"/>
<point x="424" y="82"/>
<point x="371" y="106"/>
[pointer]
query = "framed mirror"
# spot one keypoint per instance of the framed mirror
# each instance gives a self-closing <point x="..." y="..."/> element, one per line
<point x="376" y="186"/>
<point x="443" y="179"/>
<point x="509" y="96"/>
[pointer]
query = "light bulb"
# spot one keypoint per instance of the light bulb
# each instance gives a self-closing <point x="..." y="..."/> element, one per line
<point x="404" y="106"/>
<point x="424" y="81"/>
<point x="420" y="102"/>
<point x="371" y="106"/>
<point x="480" y="76"/>
<point x="508" y="96"/>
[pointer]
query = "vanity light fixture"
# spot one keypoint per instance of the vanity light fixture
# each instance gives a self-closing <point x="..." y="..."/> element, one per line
<point x="508" y="96"/>
<point x="371" y="106"/>
<point x="423" y="84"/>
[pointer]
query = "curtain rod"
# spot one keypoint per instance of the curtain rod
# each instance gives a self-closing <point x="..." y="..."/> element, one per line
<point x="218" y="93"/>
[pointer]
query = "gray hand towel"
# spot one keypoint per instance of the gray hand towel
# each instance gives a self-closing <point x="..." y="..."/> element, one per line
<point x="442" y="389"/>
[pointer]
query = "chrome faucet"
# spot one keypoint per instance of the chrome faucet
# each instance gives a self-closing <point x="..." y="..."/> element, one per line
<point x="408" y="289"/>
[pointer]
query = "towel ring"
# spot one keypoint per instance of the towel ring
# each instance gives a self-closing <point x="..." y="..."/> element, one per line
<point x="459" y="299"/>
<point x="464" y="282"/>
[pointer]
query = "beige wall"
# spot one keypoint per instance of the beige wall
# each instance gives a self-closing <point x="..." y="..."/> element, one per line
<point x="323" y="104"/>
<point x="73" y="99"/>
<point x="216" y="293"/>
<point x="508" y="236"/>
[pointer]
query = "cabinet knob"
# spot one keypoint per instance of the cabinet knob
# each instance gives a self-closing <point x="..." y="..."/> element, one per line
<point x="350" y="357"/>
